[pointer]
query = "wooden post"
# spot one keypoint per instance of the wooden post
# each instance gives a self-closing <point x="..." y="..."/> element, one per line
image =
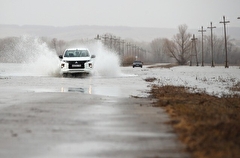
<point x="225" y="37"/>
<point x="129" y="50"/>
<point x="212" y="27"/>
<point x="202" y="44"/>
<point x="195" y="48"/>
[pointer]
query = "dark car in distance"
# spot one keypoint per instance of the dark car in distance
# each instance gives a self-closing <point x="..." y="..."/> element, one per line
<point x="137" y="64"/>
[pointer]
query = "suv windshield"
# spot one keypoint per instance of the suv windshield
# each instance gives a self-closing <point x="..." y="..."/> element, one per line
<point x="76" y="53"/>
<point x="137" y="62"/>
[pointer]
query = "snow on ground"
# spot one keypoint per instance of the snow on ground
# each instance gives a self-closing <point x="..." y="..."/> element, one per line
<point x="213" y="80"/>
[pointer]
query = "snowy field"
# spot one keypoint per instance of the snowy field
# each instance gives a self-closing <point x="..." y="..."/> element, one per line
<point x="213" y="80"/>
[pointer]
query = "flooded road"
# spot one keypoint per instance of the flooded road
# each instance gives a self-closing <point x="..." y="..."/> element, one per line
<point x="17" y="77"/>
<point x="48" y="116"/>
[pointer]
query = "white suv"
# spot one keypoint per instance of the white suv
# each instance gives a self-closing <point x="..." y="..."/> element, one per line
<point x="76" y="60"/>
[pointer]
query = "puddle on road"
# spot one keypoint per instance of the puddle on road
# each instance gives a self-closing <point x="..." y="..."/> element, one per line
<point x="106" y="91"/>
<point x="112" y="87"/>
<point x="80" y="90"/>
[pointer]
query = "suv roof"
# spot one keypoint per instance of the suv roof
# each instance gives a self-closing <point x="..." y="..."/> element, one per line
<point x="77" y="49"/>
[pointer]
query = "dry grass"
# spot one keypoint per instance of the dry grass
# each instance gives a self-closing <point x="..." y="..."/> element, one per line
<point x="236" y="87"/>
<point x="209" y="126"/>
<point x="150" y="79"/>
<point x="163" y="66"/>
<point x="127" y="60"/>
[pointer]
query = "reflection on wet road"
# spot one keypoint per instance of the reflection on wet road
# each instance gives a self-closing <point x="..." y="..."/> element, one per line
<point x="126" y="84"/>
<point x="103" y="90"/>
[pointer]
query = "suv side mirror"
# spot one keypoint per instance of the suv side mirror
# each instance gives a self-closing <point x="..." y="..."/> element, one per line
<point x="93" y="56"/>
<point x="60" y="56"/>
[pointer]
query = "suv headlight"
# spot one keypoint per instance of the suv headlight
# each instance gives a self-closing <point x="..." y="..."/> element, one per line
<point x="90" y="65"/>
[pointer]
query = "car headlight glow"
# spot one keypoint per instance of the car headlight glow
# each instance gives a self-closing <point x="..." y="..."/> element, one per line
<point x="90" y="65"/>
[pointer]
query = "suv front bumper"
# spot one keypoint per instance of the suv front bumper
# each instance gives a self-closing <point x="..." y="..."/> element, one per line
<point x="69" y="67"/>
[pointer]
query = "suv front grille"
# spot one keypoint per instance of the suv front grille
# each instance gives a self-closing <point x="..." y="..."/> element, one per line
<point x="76" y="64"/>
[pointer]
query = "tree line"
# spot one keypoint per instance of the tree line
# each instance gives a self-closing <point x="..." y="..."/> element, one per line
<point x="178" y="49"/>
<point x="181" y="48"/>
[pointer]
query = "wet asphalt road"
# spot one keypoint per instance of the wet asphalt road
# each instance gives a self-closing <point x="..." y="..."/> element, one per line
<point x="93" y="116"/>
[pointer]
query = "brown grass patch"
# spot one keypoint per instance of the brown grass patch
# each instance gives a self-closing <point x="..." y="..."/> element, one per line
<point x="127" y="60"/>
<point x="163" y="66"/>
<point x="150" y="79"/>
<point x="208" y="125"/>
<point x="236" y="87"/>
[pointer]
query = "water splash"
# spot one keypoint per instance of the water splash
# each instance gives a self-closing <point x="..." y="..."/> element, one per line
<point x="35" y="56"/>
<point x="38" y="59"/>
<point x="107" y="63"/>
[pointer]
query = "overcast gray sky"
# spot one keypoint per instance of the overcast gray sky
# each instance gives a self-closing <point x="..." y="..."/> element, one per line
<point x="134" y="13"/>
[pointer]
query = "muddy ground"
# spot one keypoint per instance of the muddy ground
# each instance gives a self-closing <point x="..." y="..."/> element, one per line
<point x="207" y="125"/>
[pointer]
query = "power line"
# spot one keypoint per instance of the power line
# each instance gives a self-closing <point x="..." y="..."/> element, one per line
<point x="212" y="27"/>
<point x="224" y="24"/>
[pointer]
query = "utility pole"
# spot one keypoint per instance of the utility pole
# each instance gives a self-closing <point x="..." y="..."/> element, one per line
<point x="129" y="50"/>
<point x="190" y="64"/>
<point x="98" y="37"/>
<point x="138" y="52"/>
<point x="115" y="43"/>
<point x="145" y="55"/>
<point x="134" y="52"/>
<point x="225" y="37"/>
<point x="132" y="49"/>
<point x="111" y="39"/>
<point x="105" y="39"/>
<point x="202" y="44"/>
<point x="119" y="45"/>
<point x="123" y="47"/>
<point x="212" y="27"/>
<point x="195" y="48"/>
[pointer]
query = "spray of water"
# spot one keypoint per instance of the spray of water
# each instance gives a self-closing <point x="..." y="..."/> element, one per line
<point x="35" y="56"/>
<point x="107" y="63"/>
<point x="37" y="59"/>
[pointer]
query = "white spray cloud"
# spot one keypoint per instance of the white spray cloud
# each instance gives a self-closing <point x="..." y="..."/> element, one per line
<point x="107" y="63"/>
<point x="36" y="57"/>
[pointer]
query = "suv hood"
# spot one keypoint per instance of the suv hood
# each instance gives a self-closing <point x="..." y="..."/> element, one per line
<point x="76" y="59"/>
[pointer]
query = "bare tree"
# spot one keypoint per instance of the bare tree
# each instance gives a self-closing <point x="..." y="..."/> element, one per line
<point x="157" y="50"/>
<point x="218" y="53"/>
<point x="180" y="46"/>
<point x="62" y="46"/>
<point x="54" y="43"/>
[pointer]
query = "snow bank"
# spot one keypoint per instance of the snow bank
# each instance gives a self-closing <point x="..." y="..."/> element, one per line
<point x="213" y="80"/>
